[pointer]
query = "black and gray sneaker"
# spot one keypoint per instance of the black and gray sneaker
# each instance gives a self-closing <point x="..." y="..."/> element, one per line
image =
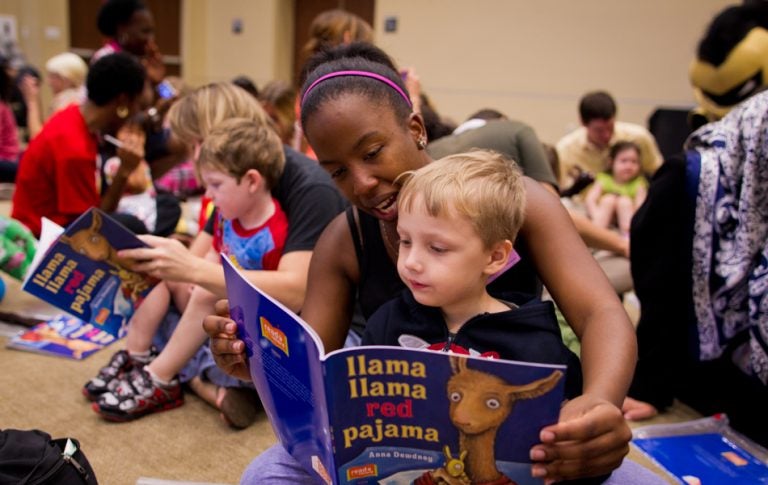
<point x="109" y="376"/>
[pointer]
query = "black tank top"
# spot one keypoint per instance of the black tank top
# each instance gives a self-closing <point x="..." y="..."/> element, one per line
<point x="379" y="281"/>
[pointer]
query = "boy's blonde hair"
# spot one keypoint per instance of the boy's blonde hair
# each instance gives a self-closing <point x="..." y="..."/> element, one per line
<point x="237" y="145"/>
<point x="480" y="185"/>
<point x="195" y="115"/>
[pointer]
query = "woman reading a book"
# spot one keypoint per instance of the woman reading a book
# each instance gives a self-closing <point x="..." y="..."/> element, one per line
<point x="357" y="115"/>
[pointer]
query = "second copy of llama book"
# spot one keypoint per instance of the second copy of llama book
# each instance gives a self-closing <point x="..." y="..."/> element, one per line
<point x="77" y="269"/>
<point x="62" y="336"/>
<point x="391" y="415"/>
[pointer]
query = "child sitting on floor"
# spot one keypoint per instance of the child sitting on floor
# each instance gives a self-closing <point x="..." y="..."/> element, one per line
<point x="456" y="232"/>
<point x="619" y="191"/>
<point x="239" y="162"/>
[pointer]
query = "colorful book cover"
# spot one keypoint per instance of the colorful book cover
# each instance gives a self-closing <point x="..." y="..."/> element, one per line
<point x="704" y="451"/>
<point x="390" y="415"/>
<point x="62" y="336"/>
<point x="77" y="269"/>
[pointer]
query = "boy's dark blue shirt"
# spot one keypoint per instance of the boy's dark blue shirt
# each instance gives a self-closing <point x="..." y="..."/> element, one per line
<point x="528" y="333"/>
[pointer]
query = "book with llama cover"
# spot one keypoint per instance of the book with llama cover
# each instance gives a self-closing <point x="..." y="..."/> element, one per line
<point x="77" y="269"/>
<point x="62" y="336"/>
<point x="390" y="415"/>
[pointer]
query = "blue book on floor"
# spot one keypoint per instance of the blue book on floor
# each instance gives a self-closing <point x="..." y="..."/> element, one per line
<point x="704" y="451"/>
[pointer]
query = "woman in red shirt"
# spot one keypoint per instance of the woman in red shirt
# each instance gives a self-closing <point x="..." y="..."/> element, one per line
<point x="60" y="173"/>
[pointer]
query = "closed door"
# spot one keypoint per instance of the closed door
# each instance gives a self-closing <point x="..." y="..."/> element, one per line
<point x="85" y="37"/>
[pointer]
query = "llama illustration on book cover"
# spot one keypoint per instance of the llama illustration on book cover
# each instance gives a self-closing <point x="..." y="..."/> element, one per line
<point x="81" y="272"/>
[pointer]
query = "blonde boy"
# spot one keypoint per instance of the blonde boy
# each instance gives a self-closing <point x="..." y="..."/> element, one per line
<point x="456" y="233"/>
<point x="239" y="162"/>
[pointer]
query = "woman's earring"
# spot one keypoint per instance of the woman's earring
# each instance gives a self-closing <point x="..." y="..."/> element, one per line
<point x="422" y="143"/>
<point x="122" y="112"/>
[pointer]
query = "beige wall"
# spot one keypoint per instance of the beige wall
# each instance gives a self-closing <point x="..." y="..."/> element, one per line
<point x="212" y="52"/>
<point x="42" y="29"/>
<point x="42" y="26"/>
<point x="533" y="59"/>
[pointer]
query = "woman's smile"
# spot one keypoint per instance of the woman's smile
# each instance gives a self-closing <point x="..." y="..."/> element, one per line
<point x="386" y="209"/>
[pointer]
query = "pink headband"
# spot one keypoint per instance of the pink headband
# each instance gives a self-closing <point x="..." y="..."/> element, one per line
<point x="371" y="75"/>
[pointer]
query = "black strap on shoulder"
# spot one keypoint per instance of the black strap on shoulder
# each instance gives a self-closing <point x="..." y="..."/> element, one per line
<point x="353" y="219"/>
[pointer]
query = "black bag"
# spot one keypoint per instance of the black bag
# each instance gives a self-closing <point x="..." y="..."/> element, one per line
<point x="32" y="457"/>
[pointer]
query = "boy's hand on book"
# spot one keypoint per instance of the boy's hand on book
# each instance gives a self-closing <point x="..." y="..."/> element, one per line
<point x="165" y="259"/>
<point x="228" y="351"/>
<point x="591" y="438"/>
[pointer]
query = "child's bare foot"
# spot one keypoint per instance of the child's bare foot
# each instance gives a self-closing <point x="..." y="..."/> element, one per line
<point x="635" y="410"/>
<point x="205" y="390"/>
<point x="239" y="406"/>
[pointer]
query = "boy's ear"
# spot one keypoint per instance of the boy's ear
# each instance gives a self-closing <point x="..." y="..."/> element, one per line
<point x="499" y="256"/>
<point x="254" y="179"/>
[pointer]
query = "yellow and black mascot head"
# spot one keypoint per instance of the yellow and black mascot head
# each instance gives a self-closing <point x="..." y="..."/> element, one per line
<point x="732" y="61"/>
